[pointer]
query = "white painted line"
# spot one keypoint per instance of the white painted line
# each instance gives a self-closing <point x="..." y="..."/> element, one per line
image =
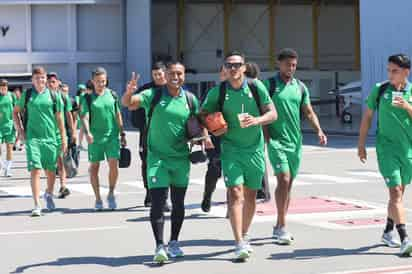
<point x="388" y="270"/>
<point x="19" y="191"/>
<point x="200" y="181"/>
<point x="365" y="174"/>
<point x="62" y="230"/>
<point x="336" y="179"/>
<point x="86" y="189"/>
<point x="137" y="184"/>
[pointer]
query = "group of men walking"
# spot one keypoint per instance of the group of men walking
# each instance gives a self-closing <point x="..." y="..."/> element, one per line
<point x="260" y="116"/>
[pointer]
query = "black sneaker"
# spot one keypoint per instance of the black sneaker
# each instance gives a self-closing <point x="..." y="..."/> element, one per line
<point x="206" y="205"/>
<point x="14" y="148"/>
<point x="63" y="193"/>
<point x="260" y="195"/>
<point x="148" y="200"/>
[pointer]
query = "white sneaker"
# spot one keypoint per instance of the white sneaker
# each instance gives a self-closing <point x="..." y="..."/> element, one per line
<point x="36" y="212"/>
<point x="283" y="237"/>
<point x="390" y="240"/>
<point x="246" y="241"/>
<point x="8" y="173"/>
<point x="241" y="252"/>
<point x="406" y="247"/>
<point x="160" y="256"/>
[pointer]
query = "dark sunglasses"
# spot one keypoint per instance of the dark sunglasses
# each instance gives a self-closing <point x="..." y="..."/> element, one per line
<point x="233" y="65"/>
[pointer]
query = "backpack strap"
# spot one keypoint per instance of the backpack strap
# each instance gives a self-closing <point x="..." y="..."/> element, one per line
<point x="190" y="97"/>
<point x="222" y="95"/>
<point x="88" y="98"/>
<point x="272" y="86"/>
<point x="53" y="96"/>
<point x="302" y="91"/>
<point x="381" y="91"/>
<point x="155" y="100"/>
<point x="116" y="99"/>
<point x="25" y="112"/>
<point x="253" y="88"/>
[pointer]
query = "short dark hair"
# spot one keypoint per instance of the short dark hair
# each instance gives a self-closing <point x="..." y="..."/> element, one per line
<point x="159" y="65"/>
<point x="173" y="63"/>
<point x="39" y="70"/>
<point x="4" y="83"/>
<point x="287" y="53"/>
<point x="99" y="71"/>
<point x="235" y="53"/>
<point x="402" y="60"/>
<point x="52" y="75"/>
<point x="252" y="70"/>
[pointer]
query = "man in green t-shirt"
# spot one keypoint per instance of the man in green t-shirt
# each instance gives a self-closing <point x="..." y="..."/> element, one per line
<point x="246" y="106"/>
<point x="42" y="116"/>
<point x="7" y="131"/>
<point x="53" y="83"/>
<point x="291" y="98"/>
<point x="102" y="121"/>
<point x="392" y="100"/>
<point x="168" y="109"/>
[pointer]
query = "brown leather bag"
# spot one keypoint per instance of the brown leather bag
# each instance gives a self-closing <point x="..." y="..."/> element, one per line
<point x="215" y="121"/>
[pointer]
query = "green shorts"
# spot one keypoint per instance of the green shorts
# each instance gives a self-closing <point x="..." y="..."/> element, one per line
<point x="285" y="161"/>
<point x="41" y="154"/>
<point x="8" y="137"/>
<point x="246" y="169"/>
<point x="395" y="170"/>
<point x="165" y="172"/>
<point x="109" y="149"/>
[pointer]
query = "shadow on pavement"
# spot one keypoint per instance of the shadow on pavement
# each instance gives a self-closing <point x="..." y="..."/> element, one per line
<point x="146" y="260"/>
<point x="309" y="254"/>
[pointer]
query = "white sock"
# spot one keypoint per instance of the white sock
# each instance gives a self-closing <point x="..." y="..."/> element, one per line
<point x="9" y="164"/>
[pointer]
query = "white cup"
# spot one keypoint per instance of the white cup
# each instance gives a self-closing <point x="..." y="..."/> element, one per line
<point x="242" y="117"/>
<point x="396" y="95"/>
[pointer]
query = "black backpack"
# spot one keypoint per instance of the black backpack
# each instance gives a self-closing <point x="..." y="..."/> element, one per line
<point x="253" y="89"/>
<point x="381" y="91"/>
<point x="153" y="103"/>
<point x="29" y="92"/>
<point x="88" y="98"/>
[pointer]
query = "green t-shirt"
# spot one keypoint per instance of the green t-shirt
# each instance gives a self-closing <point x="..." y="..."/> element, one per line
<point x="103" y="123"/>
<point x="286" y="131"/>
<point x="7" y="103"/>
<point x="167" y="132"/>
<point x="237" y="139"/>
<point x="41" y="122"/>
<point x="394" y="124"/>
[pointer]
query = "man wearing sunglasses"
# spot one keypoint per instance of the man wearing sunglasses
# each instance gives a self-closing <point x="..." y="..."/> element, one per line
<point x="393" y="102"/>
<point x="242" y="145"/>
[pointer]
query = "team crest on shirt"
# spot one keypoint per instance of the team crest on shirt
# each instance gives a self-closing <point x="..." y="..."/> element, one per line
<point x="154" y="180"/>
<point x="162" y="103"/>
<point x="386" y="96"/>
